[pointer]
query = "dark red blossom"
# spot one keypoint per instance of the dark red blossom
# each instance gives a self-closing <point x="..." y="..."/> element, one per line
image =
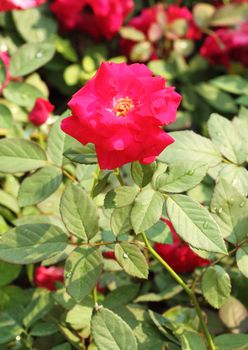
<point x="8" y="5"/>
<point x="159" y="22"/>
<point x="40" y="111"/>
<point x="109" y="255"/>
<point x="45" y="277"/>
<point x="178" y="254"/>
<point x="227" y="45"/>
<point x="99" y="18"/>
<point x="121" y="110"/>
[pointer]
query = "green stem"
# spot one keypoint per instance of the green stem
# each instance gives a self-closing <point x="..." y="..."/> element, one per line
<point x="118" y="176"/>
<point x="186" y="288"/>
<point x="94" y="295"/>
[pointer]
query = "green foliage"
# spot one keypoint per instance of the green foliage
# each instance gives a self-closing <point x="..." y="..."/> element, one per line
<point x="216" y="286"/>
<point x="82" y="270"/>
<point x="58" y="208"/>
<point x="79" y="212"/>
<point x="111" y="332"/>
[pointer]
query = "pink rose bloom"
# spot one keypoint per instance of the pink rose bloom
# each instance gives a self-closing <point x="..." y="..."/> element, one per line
<point x="161" y="20"/>
<point x="7" y="5"/>
<point x="174" y="13"/>
<point x="121" y="110"/>
<point x="6" y="59"/>
<point x="227" y="45"/>
<point x="45" y="277"/>
<point x="99" y="18"/>
<point x="40" y="112"/>
<point x="178" y="254"/>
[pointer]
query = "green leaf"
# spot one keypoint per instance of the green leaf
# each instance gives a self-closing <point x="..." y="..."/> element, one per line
<point x="242" y="100"/>
<point x="110" y="332"/>
<point x="234" y="84"/>
<point x="38" y="308"/>
<point x="22" y="94"/>
<point x="39" y="186"/>
<point x="101" y="184"/>
<point x="2" y="72"/>
<point x="192" y="341"/>
<point x="131" y="259"/>
<point x="8" y="272"/>
<point x="82" y="155"/>
<point x="65" y="346"/>
<point x="234" y="315"/>
<point x="160" y="233"/>
<point x="232" y="342"/>
<point x="34" y="25"/>
<point x="229" y="15"/>
<point x="121" y="296"/>
<point x="8" y="201"/>
<point x="242" y="259"/>
<point x="142" y="173"/>
<point x="216" y="98"/>
<point x="79" y="212"/>
<point x="6" y="119"/>
<point x="10" y="328"/>
<point x="187" y="146"/>
<point x="147" y="209"/>
<point x="29" y="57"/>
<point x="43" y="329"/>
<point x="120" y="220"/>
<point x="230" y="209"/>
<point x="31" y="243"/>
<point x="58" y="143"/>
<point x="181" y="176"/>
<point x="194" y="224"/>
<point x="237" y="176"/>
<point x="141" y="51"/>
<point x="226" y="139"/>
<point x="82" y="271"/>
<point x="131" y="33"/>
<point x="18" y="155"/>
<point x="216" y="286"/>
<point x="120" y="197"/>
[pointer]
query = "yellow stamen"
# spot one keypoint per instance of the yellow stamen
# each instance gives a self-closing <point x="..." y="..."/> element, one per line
<point x="123" y="106"/>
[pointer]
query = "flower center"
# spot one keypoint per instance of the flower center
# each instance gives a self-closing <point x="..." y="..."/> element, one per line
<point x="123" y="106"/>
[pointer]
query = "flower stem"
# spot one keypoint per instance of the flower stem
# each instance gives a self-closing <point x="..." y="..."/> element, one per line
<point x="189" y="291"/>
<point x="94" y="296"/>
<point x="118" y="176"/>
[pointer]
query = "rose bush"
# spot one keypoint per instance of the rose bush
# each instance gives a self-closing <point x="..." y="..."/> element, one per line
<point x="123" y="175"/>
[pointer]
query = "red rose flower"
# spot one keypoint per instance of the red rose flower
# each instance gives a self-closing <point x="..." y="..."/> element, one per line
<point x="158" y="21"/>
<point x="7" y="5"/>
<point x="6" y="59"/>
<point x="178" y="255"/>
<point x="227" y="45"/>
<point x="121" y="110"/>
<point x="175" y="13"/>
<point x="109" y="255"/>
<point x="40" y="111"/>
<point x="45" y="277"/>
<point x="96" y="17"/>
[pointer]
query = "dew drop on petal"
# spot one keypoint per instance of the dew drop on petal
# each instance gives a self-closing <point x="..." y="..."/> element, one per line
<point x="125" y="256"/>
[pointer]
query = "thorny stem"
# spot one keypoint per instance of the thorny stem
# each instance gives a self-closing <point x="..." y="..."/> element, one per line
<point x="189" y="291"/>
